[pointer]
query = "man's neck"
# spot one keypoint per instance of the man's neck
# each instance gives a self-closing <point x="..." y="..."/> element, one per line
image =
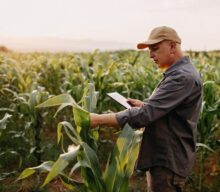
<point x="176" y="58"/>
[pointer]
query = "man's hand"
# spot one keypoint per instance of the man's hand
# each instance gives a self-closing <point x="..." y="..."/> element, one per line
<point x="103" y="120"/>
<point x="135" y="102"/>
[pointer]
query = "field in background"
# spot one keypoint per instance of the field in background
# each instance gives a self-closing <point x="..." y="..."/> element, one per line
<point x="28" y="135"/>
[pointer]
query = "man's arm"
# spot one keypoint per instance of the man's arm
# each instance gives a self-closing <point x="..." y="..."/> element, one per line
<point x="103" y="120"/>
<point x="110" y="119"/>
<point x="170" y="94"/>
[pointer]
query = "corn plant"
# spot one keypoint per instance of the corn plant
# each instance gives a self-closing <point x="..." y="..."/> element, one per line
<point x="129" y="72"/>
<point x="121" y="161"/>
<point x="208" y="125"/>
<point x="21" y="146"/>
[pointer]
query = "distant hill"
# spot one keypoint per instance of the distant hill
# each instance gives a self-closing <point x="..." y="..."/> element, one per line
<point x="60" y="44"/>
<point x="4" y="48"/>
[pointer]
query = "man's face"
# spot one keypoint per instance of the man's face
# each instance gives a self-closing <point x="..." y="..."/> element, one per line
<point x="161" y="54"/>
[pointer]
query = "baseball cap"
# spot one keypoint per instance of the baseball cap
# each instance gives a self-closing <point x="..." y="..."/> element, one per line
<point x="159" y="34"/>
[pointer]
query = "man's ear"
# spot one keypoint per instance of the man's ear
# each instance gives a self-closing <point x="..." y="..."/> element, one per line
<point x="172" y="47"/>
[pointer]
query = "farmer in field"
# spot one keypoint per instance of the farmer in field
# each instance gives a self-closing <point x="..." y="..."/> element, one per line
<point x="170" y="115"/>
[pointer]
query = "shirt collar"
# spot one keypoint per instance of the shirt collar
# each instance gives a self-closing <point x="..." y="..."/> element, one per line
<point x="182" y="61"/>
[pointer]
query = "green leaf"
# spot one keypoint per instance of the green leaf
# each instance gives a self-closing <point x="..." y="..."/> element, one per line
<point x="61" y="164"/>
<point x="67" y="126"/>
<point x="204" y="146"/>
<point x="4" y="121"/>
<point x="61" y="107"/>
<point x="3" y="109"/>
<point x="133" y="152"/>
<point x="26" y="173"/>
<point x="90" y="168"/>
<point x="72" y="184"/>
<point x="122" y="161"/>
<point x="91" y="99"/>
<point x="82" y="122"/>
<point x="33" y="99"/>
<point x="208" y="82"/>
<point x="75" y="167"/>
<point x="81" y="117"/>
<point x="58" y="100"/>
<point x="91" y="158"/>
<point x="46" y="166"/>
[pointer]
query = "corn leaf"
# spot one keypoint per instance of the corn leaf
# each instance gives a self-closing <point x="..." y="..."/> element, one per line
<point x="46" y="166"/>
<point x="4" y="121"/>
<point x="91" y="99"/>
<point x="81" y="118"/>
<point x="82" y="122"/>
<point x="72" y="184"/>
<point x="90" y="168"/>
<point x="204" y="146"/>
<point x="121" y="163"/>
<point x="67" y="126"/>
<point x="58" y="100"/>
<point x="61" y="164"/>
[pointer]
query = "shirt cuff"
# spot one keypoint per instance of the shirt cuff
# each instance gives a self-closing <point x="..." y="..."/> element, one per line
<point x="122" y="117"/>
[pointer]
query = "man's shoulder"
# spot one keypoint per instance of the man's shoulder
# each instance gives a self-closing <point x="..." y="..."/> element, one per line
<point x="184" y="77"/>
<point x="187" y="71"/>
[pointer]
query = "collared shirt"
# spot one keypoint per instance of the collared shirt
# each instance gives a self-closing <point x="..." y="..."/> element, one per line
<point x="170" y="116"/>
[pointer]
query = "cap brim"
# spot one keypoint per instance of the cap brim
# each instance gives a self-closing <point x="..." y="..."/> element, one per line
<point x="146" y="44"/>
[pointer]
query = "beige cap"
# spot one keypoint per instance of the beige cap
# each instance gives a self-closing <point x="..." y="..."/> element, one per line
<point x="159" y="34"/>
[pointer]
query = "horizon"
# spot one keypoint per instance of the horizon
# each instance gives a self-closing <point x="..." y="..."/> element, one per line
<point x="59" y="44"/>
<point x="124" y="21"/>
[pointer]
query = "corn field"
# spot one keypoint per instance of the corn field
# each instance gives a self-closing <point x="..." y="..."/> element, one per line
<point x="46" y="143"/>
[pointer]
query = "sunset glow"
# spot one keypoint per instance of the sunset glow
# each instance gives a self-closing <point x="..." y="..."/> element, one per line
<point x="116" y="20"/>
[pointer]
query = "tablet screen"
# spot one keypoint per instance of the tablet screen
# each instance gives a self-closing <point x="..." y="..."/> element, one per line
<point x="120" y="99"/>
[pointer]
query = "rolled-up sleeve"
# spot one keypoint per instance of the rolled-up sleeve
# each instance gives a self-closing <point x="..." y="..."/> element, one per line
<point x="171" y="92"/>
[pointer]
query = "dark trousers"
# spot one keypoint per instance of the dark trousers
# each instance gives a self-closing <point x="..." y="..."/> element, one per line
<point x="161" y="179"/>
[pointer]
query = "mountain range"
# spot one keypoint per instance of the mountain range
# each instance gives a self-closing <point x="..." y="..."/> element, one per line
<point x="54" y="44"/>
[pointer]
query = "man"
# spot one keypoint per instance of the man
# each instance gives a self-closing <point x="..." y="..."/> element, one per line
<point x="169" y="115"/>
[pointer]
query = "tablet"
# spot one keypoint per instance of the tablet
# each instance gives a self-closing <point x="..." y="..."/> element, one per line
<point x="120" y="99"/>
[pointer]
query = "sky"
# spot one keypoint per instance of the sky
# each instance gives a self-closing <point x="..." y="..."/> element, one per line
<point x="130" y="21"/>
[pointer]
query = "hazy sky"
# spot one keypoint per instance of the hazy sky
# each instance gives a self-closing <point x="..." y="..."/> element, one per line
<point x="196" y="21"/>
